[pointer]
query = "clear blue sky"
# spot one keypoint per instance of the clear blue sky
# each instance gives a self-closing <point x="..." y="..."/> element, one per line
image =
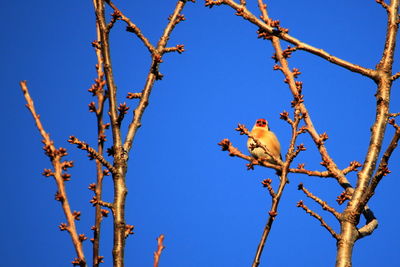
<point x="210" y="208"/>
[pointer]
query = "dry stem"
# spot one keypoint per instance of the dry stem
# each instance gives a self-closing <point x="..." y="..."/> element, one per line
<point x="160" y="247"/>
<point x="319" y="218"/>
<point x="55" y="158"/>
<point x="120" y="149"/>
<point x="247" y="15"/>
<point x="101" y="98"/>
<point x="323" y="204"/>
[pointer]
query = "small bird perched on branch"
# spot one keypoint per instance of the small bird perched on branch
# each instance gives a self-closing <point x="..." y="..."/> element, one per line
<point x="267" y="138"/>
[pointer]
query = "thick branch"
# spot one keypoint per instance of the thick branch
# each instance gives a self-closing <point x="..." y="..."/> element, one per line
<point x="378" y="129"/>
<point x="383" y="165"/>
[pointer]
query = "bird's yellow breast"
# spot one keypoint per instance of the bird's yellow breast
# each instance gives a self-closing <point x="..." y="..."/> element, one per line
<point x="268" y="139"/>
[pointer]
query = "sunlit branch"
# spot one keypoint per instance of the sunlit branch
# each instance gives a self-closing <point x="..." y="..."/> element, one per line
<point x="84" y="146"/>
<point x="300" y="204"/>
<point x="55" y="156"/>
<point x="247" y="15"/>
<point x="131" y="26"/>
<point x="153" y="74"/>
<point x="157" y="253"/>
<point x="322" y="203"/>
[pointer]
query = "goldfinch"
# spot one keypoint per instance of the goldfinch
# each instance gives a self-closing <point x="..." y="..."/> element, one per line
<point x="267" y="138"/>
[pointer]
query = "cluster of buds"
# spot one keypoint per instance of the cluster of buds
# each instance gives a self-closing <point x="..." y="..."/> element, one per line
<point x="267" y="183"/>
<point x="298" y="99"/>
<point x="129" y="230"/>
<point x="96" y="44"/>
<point x="157" y="59"/>
<point x="98" y="85"/>
<point x="277" y="28"/>
<point x="343" y="197"/>
<point x="300" y="148"/>
<point x="284" y="115"/>
<point x="92" y="187"/>
<point x="287" y="53"/>
<point x="116" y="14"/>
<point x="104" y="212"/>
<point x="242" y="129"/>
<point x="225" y="144"/>
<point x="59" y="197"/>
<point x="67" y="164"/>
<point x="383" y="170"/>
<point x="110" y="151"/>
<point x="82" y="237"/>
<point x="76" y="215"/>
<point x="263" y="34"/>
<point x="301" y="166"/>
<point x="179" y="18"/>
<point x="180" y="48"/>
<point x="133" y="95"/>
<point x="322" y="138"/>
<point x="299" y="86"/>
<point x="92" y="107"/>
<point x="63" y="227"/>
<point x="123" y="109"/>
<point x="211" y="3"/>
<point x="78" y="262"/>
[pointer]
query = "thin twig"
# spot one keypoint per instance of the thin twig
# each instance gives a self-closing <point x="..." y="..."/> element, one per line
<point x="153" y="75"/>
<point x="160" y="247"/>
<point x="98" y="90"/>
<point x="323" y="204"/>
<point x="300" y="204"/>
<point x="384" y="162"/>
<point x="247" y="15"/>
<point x="395" y="76"/>
<point x="383" y="4"/>
<point x="132" y="27"/>
<point x="84" y="146"/>
<point x="55" y="158"/>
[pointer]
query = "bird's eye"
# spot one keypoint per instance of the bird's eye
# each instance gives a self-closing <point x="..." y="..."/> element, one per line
<point x="263" y="122"/>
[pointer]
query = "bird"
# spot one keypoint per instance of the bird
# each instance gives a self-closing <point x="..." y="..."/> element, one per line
<point x="262" y="133"/>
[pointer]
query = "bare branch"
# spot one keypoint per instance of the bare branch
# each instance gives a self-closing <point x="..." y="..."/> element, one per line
<point x="131" y="26"/>
<point x="55" y="156"/>
<point x="319" y="218"/>
<point x="267" y="183"/>
<point x="383" y="4"/>
<point x="153" y="75"/>
<point x="323" y="204"/>
<point x="383" y="165"/>
<point x="98" y="90"/>
<point x="84" y="146"/>
<point x="382" y="112"/>
<point x="395" y="76"/>
<point x="247" y="15"/>
<point x="160" y="247"/>
<point x="370" y="225"/>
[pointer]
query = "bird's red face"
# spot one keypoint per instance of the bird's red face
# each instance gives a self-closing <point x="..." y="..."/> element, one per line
<point x="261" y="123"/>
